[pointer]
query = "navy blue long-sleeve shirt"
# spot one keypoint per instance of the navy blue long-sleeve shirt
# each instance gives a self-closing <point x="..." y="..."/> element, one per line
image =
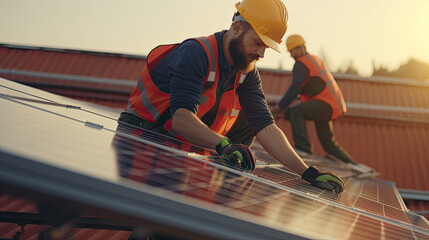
<point x="299" y="74"/>
<point x="181" y="74"/>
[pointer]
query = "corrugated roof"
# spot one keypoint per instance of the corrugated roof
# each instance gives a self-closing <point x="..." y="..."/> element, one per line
<point x="11" y="203"/>
<point x="64" y="71"/>
<point x="109" y="65"/>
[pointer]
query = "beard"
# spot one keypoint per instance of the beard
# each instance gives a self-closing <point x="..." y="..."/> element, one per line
<point x="242" y="62"/>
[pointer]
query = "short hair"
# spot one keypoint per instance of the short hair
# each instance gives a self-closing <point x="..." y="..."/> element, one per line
<point x="238" y="17"/>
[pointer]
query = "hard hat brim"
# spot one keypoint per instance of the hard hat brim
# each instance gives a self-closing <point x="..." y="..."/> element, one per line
<point x="270" y="43"/>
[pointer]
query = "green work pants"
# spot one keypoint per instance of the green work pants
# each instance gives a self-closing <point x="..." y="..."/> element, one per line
<point x="319" y="112"/>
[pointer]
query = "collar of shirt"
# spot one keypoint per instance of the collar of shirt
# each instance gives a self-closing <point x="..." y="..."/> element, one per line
<point x="222" y="59"/>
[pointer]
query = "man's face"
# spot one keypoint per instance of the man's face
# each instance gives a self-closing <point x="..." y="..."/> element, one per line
<point x="295" y="52"/>
<point x="246" y="49"/>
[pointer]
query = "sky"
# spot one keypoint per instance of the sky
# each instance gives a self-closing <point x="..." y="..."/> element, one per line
<point x="364" y="32"/>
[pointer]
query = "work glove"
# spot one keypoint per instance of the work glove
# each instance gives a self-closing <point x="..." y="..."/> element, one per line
<point x="325" y="180"/>
<point x="236" y="153"/>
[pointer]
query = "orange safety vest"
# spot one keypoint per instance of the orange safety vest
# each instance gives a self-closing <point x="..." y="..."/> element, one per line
<point x="331" y="94"/>
<point x="148" y="102"/>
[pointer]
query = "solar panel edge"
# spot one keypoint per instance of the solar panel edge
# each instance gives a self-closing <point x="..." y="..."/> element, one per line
<point x="398" y="196"/>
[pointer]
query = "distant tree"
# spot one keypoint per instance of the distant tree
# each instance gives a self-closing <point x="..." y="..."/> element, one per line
<point x="349" y="68"/>
<point x="413" y="69"/>
<point x="381" y="71"/>
<point x="324" y="57"/>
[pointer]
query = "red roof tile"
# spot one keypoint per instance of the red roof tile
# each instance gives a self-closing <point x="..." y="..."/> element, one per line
<point x="9" y="203"/>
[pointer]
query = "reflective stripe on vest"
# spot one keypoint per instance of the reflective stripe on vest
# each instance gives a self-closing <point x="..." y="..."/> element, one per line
<point x="331" y="94"/>
<point x="229" y="108"/>
<point x="212" y="72"/>
<point x="146" y="100"/>
<point x="242" y="77"/>
<point x="235" y="112"/>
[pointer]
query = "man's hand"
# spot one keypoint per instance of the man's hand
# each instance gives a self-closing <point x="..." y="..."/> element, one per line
<point x="325" y="180"/>
<point x="236" y="152"/>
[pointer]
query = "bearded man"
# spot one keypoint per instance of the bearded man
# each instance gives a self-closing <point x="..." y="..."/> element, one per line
<point x="207" y="91"/>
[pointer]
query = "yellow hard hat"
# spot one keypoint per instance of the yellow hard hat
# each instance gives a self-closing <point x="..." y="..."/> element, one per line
<point x="269" y="19"/>
<point x="294" y="41"/>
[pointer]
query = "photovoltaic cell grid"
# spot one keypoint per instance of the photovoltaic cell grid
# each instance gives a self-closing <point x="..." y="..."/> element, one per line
<point x="372" y="189"/>
<point x="272" y="196"/>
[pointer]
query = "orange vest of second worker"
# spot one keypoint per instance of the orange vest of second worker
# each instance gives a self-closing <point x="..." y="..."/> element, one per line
<point x="331" y="94"/>
<point x="149" y="102"/>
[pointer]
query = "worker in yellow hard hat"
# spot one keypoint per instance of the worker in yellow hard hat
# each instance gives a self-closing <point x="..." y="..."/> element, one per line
<point x="207" y="91"/>
<point x="321" y="101"/>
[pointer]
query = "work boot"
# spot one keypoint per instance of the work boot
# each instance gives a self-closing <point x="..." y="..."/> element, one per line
<point x="363" y="170"/>
<point x="335" y="159"/>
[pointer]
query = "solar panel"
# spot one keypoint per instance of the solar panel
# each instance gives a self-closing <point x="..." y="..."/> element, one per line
<point x="57" y="149"/>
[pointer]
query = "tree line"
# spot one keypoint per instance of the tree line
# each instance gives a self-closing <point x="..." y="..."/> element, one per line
<point x="413" y="69"/>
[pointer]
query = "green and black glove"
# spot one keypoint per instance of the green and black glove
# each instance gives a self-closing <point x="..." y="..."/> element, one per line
<point x="236" y="152"/>
<point x="325" y="180"/>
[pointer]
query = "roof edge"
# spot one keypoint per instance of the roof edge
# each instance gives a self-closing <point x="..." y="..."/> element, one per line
<point x="377" y="79"/>
<point x="342" y="76"/>
<point x="69" y="50"/>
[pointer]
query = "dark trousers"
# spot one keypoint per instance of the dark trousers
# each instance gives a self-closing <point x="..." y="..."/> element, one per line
<point x="240" y="132"/>
<point x="319" y="112"/>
